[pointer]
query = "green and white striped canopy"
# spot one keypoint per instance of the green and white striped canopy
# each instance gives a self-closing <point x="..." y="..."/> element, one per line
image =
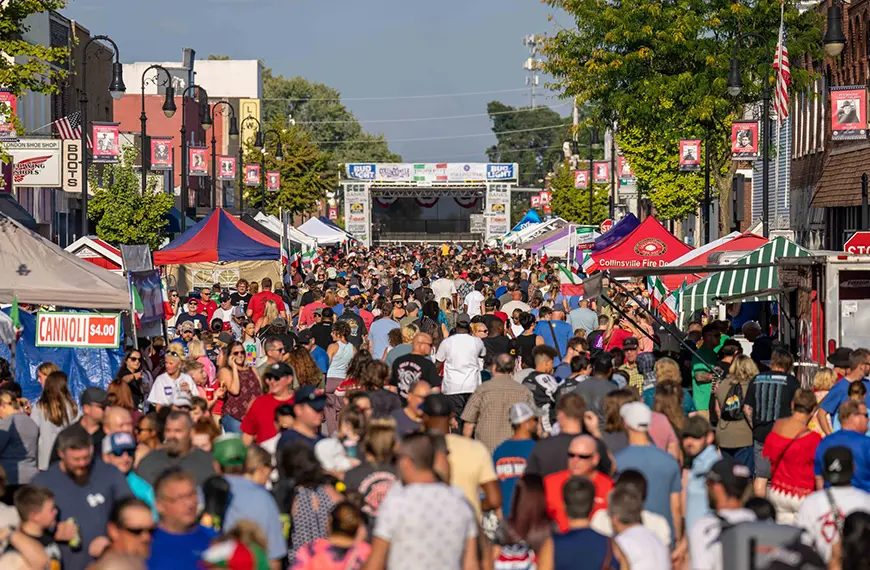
<point x="737" y="281"/>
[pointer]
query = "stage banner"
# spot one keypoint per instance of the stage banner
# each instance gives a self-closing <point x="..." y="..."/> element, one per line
<point x="625" y="171"/>
<point x="273" y="181"/>
<point x="469" y="202"/>
<point x="394" y="172"/>
<point x="498" y="210"/>
<point x="197" y="165"/>
<point x="356" y="212"/>
<point x="501" y="171"/>
<point x="601" y="171"/>
<point x="849" y="113"/>
<point x="366" y="171"/>
<point x="425" y="174"/>
<point x="690" y="153"/>
<point x="470" y="172"/>
<point x="227" y="167"/>
<point x="581" y="179"/>
<point x="252" y="175"/>
<point x="36" y="162"/>
<point x="744" y="140"/>
<point x="106" y="141"/>
<point x="161" y="153"/>
<point x="8" y="107"/>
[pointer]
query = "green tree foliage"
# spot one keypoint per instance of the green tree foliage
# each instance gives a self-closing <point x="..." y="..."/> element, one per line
<point x="125" y="216"/>
<point x="317" y="109"/>
<point x="661" y="70"/>
<point x="571" y="203"/>
<point x="306" y="171"/>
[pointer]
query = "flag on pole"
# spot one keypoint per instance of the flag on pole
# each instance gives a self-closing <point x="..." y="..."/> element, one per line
<point x="666" y="305"/>
<point x="657" y="291"/>
<point x="70" y="127"/>
<point x="293" y="259"/>
<point x="783" y="71"/>
<point x="588" y="265"/>
<point x="138" y="306"/>
<point x="168" y="313"/>
<point x="570" y="283"/>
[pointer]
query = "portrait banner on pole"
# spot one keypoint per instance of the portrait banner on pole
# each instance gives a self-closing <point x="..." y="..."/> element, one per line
<point x="690" y="155"/>
<point x="106" y="143"/>
<point x="849" y="113"/>
<point x="196" y="160"/>
<point x="252" y="175"/>
<point x="161" y="153"/>
<point x="227" y="168"/>
<point x="744" y="140"/>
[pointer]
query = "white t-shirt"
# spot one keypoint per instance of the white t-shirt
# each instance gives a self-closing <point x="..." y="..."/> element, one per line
<point x="511" y="306"/>
<point x="473" y="301"/>
<point x="815" y="516"/>
<point x="643" y="549"/>
<point x="705" y="549"/>
<point x="226" y="315"/>
<point x="656" y="523"/>
<point x="443" y="289"/>
<point x="164" y="389"/>
<point x="461" y="354"/>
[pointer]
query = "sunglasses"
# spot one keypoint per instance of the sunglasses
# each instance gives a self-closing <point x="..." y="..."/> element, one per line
<point x="149" y="530"/>
<point x="141" y="429"/>
<point x="123" y="452"/>
<point x="134" y="358"/>
<point x="579" y="456"/>
<point x="174" y="353"/>
<point x="237" y="353"/>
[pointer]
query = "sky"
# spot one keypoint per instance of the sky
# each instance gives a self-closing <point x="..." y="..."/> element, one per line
<point x="384" y="49"/>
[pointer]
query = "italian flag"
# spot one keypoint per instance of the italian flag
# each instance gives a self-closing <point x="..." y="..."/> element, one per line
<point x="666" y="305"/>
<point x="293" y="260"/>
<point x="587" y="265"/>
<point x="235" y="555"/>
<point x="167" y="308"/>
<point x="138" y="306"/>
<point x="310" y="257"/>
<point x="570" y="283"/>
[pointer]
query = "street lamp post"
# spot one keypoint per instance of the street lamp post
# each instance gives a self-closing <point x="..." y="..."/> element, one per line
<point x="233" y="132"/>
<point x="279" y="156"/>
<point x="258" y="144"/>
<point x="116" y="89"/>
<point x="734" y="85"/>
<point x="205" y="123"/>
<point x="593" y="141"/>
<point x="168" y="110"/>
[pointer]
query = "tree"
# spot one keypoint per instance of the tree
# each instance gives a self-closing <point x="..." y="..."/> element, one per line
<point x="661" y="70"/>
<point x="571" y="203"/>
<point x="306" y="171"/>
<point x="123" y="214"/>
<point x="317" y="109"/>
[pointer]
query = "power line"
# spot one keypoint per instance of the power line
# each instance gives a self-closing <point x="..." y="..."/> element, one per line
<point x="394" y="97"/>
<point x="445" y="137"/>
<point x="412" y="120"/>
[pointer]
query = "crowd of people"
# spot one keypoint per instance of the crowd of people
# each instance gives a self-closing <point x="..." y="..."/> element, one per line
<point x="437" y="408"/>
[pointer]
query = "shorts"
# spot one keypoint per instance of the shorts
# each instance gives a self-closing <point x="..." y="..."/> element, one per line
<point x="762" y="464"/>
<point x="457" y="402"/>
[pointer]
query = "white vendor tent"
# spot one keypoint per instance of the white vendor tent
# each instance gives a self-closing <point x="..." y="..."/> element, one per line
<point x="532" y="231"/>
<point x="274" y="225"/>
<point x="324" y="234"/>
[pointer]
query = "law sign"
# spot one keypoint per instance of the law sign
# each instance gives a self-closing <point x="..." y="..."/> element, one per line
<point x="78" y="330"/>
<point x="858" y="244"/>
<point x="606" y="225"/>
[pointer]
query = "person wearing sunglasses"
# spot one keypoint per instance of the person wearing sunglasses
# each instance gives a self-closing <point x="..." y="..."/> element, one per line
<point x="119" y="449"/>
<point x="130" y="529"/>
<point x="193" y="316"/>
<point x="172" y="382"/>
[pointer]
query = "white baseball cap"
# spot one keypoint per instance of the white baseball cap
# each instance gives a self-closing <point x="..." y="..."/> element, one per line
<point x="522" y="412"/>
<point x="636" y="416"/>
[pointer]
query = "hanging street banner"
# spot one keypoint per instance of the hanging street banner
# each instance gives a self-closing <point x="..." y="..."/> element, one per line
<point x="273" y="181"/>
<point x="546" y="197"/>
<point x="744" y="140"/>
<point x="849" y="113"/>
<point x="106" y="141"/>
<point x="226" y="168"/>
<point x="161" y="153"/>
<point x="690" y="155"/>
<point x="427" y="174"/>
<point x="333" y="213"/>
<point x="581" y="178"/>
<point x="625" y="171"/>
<point x="78" y="330"/>
<point x="601" y="171"/>
<point x="196" y="161"/>
<point x="252" y="175"/>
<point x="536" y="201"/>
<point x="8" y="108"/>
<point x="36" y="162"/>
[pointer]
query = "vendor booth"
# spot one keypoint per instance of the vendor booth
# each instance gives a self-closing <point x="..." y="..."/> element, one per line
<point x="323" y="233"/>
<point x="735" y="242"/>
<point x="648" y="245"/>
<point x="297" y="239"/>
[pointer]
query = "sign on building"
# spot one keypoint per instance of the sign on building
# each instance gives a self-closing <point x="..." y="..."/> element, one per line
<point x="72" y="166"/>
<point x="78" y="330"/>
<point x="36" y="162"/>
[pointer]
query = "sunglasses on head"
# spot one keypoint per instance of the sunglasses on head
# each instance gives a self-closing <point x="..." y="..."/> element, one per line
<point x="174" y="353"/>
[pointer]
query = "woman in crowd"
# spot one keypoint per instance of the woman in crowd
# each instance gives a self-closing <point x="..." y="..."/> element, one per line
<point x="119" y="394"/>
<point x="479" y="330"/>
<point x="613" y="433"/>
<point x="733" y="433"/>
<point x="526" y="341"/>
<point x="242" y="386"/>
<point x="196" y="351"/>
<point x="669" y="401"/>
<point x="791" y="449"/>
<point x="19" y="438"/>
<point x="270" y="313"/>
<point x="307" y="371"/>
<point x="205" y="431"/>
<point x="448" y="315"/>
<point x="394" y="340"/>
<point x="148" y="436"/>
<point x="667" y="370"/>
<point x="351" y="429"/>
<point x="342" y="549"/>
<point x="374" y="379"/>
<point x="340" y="352"/>
<point x="43" y="370"/>
<point x="55" y="410"/>
<point x="132" y="373"/>
<point x="373" y="477"/>
<point x="526" y="528"/>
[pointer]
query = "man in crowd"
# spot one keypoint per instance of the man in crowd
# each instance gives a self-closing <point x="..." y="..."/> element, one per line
<point x="553" y="329"/>
<point x="179" y="540"/>
<point x="641" y="547"/>
<point x="321" y="358"/>
<point x="93" y="407"/>
<point x="118" y="450"/>
<point x="131" y="526"/>
<point x="117" y="420"/>
<point x="699" y="449"/>
<point x="762" y="344"/>
<point x="515" y="302"/>
<point x="460" y="356"/>
<point x="629" y="366"/>
<point x="853" y="427"/>
<point x="597" y="386"/>
<point x="859" y="368"/>
<point x="576" y="347"/>
<point x="358" y="329"/>
<point x="410" y="418"/>
<point x="583" y="318"/>
<point x="207" y="306"/>
<point x="224" y="312"/>
<point x="474" y="300"/>
<point x="703" y="363"/>
<point x="380" y="330"/>
<point x="444" y="288"/>
<point x="415" y="366"/>
<point x="242" y="296"/>
<point x="512" y="456"/>
<point x="275" y="352"/>
<point x="192" y="316"/>
<point x="258" y="425"/>
<point x="257" y="305"/>
<point x="583" y="461"/>
<point x="177" y="451"/>
<point x="308" y="405"/>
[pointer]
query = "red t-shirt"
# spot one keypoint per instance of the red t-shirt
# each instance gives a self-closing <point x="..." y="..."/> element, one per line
<point x="306" y="314"/>
<point x="617" y="338"/>
<point x="502" y="315"/>
<point x="259" y="421"/>
<point x="257" y="305"/>
<point x="553" y="484"/>
<point x="207" y="309"/>
<point x="791" y="462"/>
<point x="367" y="317"/>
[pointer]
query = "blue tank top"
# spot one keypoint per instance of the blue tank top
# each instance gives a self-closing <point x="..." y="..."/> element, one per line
<point x="583" y="549"/>
<point x="338" y="366"/>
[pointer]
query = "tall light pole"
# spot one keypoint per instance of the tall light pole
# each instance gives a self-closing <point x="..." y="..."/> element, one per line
<point x="279" y="157"/>
<point x="258" y="144"/>
<point x="593" y="141"/>
<point x="233" y="132"/>
<point x="116" y="90"/>
<point x="531" y="64"/>
<point x="205" y="123"/>
<point x="168" y="110"/>
<point x="734" y="85"/>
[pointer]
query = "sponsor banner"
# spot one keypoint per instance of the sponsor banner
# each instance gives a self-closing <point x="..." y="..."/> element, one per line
<point x="71" y="164"/>
<point x="8" y="108"/>
<point x="431" y="173"/>
<point x="106" y="141"/>
<point x="252" y="175"/>
<point x="744" y="140"/>
<point x="501" y="171"/>
<point x="478" y="223"/>
<point x="690" y="155"/>
<point x="472" y="172"/>
<point x="226" y="167"/>
<point x="425" y="174"/>
<point x="394" y="172"/>
<point x="498" y="210"/>
<point x="361" y="171"/>
<point x="196" y="163"/>
<point x="161" y="153"/>
<point x="333" y="213"/>
<point x="581" y="178"/>
<point x="848" y="113"/>
<point x="601" y="171"/>
<point x="273" y="181"/>
<point x="536" y="201"/>
<point x="625" y="171"/>
<point x="36" y="162"/>
<point x="78" y="330"/>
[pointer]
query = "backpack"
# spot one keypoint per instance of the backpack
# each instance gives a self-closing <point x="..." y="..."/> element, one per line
<point x="732" y="408"/>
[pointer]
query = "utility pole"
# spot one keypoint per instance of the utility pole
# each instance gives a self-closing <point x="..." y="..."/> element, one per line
<point x="531" y="64"/>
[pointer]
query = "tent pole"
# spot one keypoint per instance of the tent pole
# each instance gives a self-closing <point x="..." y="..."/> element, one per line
<point x="132" y="311"/>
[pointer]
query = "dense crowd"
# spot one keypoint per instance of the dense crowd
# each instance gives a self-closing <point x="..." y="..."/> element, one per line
<point x="437" y="408"/>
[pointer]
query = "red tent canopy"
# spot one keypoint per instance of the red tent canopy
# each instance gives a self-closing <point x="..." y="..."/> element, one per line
<point x="649" y="245"/>
<point x="732" y="242"/>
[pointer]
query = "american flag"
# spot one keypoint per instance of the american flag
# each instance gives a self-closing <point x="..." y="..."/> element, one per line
<point x="70" y="127"/>
<point x="783" y="73"/>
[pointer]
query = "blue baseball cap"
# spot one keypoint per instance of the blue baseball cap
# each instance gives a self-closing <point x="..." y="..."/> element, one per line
<point x="117" y="443"/>
<point x="311" y="396"/>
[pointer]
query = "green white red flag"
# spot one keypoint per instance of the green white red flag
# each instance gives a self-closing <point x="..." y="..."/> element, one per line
<point x="570" y="283"/>
<point x="666" y="304"/>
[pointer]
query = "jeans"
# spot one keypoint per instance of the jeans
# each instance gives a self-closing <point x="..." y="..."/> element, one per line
<point x="744" y="455"/>
<point x="231" y="424"/>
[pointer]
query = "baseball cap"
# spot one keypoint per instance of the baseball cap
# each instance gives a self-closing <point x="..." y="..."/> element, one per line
<point x="181" y="400"/>
<point x="225" y="338"/>
<point x="646" y="362"/>
<point x="314" y="397"/>
<point x="118" y="442"/>
<point x="522" y="412"/>
<point x="697" y="427"/>
<point x="224" y="297"/>
<point x="186" y="326"/>
<point x="354" y="292"/>
<point x="279" y="322"/>
<point x="305" y="336"/>
<point x="278" y="370"/>
<point x="437" y="406"/>
<point x="229" y="450"/>
<point x="636" y="416"/>
<point x="238" y="311"/>
<point x="841" y="357"/>
<point x="630" y="343"/>
<point x="838" y="466"/>
<point x="734" y="476"/>
<point x="93" y="395"/>
<point x="331" y="455"/>
<point x="412" y="306"/>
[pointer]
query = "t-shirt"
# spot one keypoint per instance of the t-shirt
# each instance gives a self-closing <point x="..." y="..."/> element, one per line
<point x="199" y="321"/>
<point x="196" y="462"/>
<point x="372" y="481"/>
<point x="19" y="436"/>
<point x="357" y="327"/>
<point x="259" y="421"/>
<point x="89" y="504"/>
<point x="226" y="316"/>
<point x="413" y="368"/>
<point x="257" y="305"/>
<point x="461" y="354"/>
<point x="404" y="424"/>
<point x="583" y="318"/>
<point x="858" y="444"/>
<point x="165" y="388"/>
<point x="473" y="301"/>
<point x="701" y="392"/>
<point x="553" y="485"/>
<point x="838" y="394"/>
<point x="470" y="467"/>
<point x="379" y="336"/>
<point x="496" y="345"/>
<point x="511" y="459"/>
<point x="443" y="289"/>
<point x="593" y="390"/>
<point x="291" y="436"/>
<point x="562" y="332"/>
<point x="643" y="550"/>
<point x="816" y="515"/>
<point x="551" y="455"/>
<point x="321" y="358"/>
<point x="427" y="526"/>
<point x="322" y="333"/>
<point x="705" y="548"/>
<point x="239" y="299"/>
<point x="250" y="501"/>
<point x="662" y="472"/>
<point x="384" y="402"/>
<point x="769" y="395"/>
<point x="396" y="352"/>
<point x="179" y="551"/>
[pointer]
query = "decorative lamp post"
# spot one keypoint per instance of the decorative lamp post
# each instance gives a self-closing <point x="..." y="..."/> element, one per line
<point x="233" y="132"/>
<point x="205" y="123"/>
<point x="168" y="110"/>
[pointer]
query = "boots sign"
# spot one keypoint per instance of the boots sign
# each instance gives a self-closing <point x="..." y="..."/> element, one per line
<point x="72" y="166"/>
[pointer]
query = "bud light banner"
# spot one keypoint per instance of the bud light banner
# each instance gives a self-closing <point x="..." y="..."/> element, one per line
<point x="500" y="171"/>
<point x="361" y="171"/>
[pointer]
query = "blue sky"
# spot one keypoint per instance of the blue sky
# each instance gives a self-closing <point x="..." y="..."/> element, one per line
<point x="364" y="48"/>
